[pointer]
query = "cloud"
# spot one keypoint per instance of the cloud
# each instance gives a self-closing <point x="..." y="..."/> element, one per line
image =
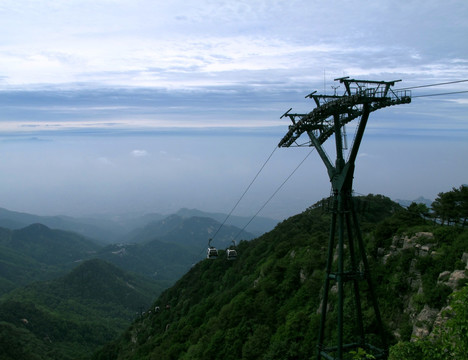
<point x="139" y="153"/>
<point x="202" y="44"/>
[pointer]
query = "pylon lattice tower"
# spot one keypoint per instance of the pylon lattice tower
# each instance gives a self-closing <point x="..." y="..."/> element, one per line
<point x="332" y="113"/>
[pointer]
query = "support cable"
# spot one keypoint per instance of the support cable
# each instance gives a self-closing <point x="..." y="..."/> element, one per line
<point x="447" y="93"/>
<point x="438" y="84"/>
<point x="245" y="192"/>
<point x="274" y="193"/>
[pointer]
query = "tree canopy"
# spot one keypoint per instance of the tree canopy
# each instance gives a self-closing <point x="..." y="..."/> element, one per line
<point x="452" y="207"/>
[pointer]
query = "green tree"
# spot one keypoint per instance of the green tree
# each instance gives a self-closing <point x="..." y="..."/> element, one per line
<point x="462" y="205"/>
<point x="452" y="207"/>
<point x="419" y="209"/>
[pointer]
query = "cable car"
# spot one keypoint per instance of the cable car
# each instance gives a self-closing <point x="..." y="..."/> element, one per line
<point x="212" y="252"/>
<point x="232" y="253"/>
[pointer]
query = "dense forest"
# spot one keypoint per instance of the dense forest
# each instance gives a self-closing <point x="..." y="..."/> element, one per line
<point x="73" y="315"/>
<point x="265" y="304"/>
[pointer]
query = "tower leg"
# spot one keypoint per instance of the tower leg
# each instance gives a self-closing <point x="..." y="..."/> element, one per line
<point x="367" y="274"/>
<point x="340" y="273"/>
<point x="345" y="223"/>
<point x="354" y="271"/>
<point x="323" y="317"/>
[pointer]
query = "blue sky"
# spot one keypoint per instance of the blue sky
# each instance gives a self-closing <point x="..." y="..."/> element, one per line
<point x="149" y="106"/>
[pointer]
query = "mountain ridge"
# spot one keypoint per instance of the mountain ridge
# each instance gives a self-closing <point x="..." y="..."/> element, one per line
<point x="108" y="229"/>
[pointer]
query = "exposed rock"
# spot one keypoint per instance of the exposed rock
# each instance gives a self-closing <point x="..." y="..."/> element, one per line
<point x="302" y="275"/>
<point x="441" y="317"/>
<point x="423" y="244"/>
<point x="415" y="282"/>
<point x="386" y="257"/>
<point x="424" y="321"/>
<point x="420" y="241"/>
<point x="443" y="276"/>
<point x="455" y="278"/>
<point x="452" y="279"/>
<point x="427" y="235"/>
<point x="465" y="259"/>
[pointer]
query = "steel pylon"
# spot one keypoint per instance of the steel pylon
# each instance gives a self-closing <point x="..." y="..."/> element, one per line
<point x="349" y="265"/>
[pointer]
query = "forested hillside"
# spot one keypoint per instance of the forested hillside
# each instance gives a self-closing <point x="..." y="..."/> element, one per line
<point x="265" y="305"/>
<point x="68" y="318"/>
<point x="37" y="252"/>
<point x="165" y="249"/>
<point x="257" y="225"/>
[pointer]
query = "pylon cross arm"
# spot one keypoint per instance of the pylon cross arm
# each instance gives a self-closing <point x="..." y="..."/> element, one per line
<point x="349" y="107"/>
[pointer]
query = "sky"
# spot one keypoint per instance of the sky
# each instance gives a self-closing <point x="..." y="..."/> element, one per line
<point x="140" y="106"/>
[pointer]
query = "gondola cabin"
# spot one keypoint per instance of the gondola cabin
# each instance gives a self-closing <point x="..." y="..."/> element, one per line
<point x="212" y="253"/>
<point x="231" y="254"/>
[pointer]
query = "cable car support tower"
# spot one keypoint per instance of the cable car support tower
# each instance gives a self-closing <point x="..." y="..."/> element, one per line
<point x="328" y="118"/>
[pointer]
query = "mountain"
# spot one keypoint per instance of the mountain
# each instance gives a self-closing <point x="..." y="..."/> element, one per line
<point x="17" y="269"/>
<point x="68" y="318"/>
<point x="166" y="249"/>
<point x="257" y="226"/>
<point x="50" y="246"/>
<point x="103" y="282"/>
<point x="102" y="230"/>
<point x="266" y="304"/>
<point x="111" y="229"/>
<point x="37" y="252"/>
<point x="190" y="231"/>
<point x="154" y="259"/>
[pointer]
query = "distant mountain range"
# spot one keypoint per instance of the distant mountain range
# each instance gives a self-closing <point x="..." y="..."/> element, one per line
<point x="419" y="200"/>
<point x="162" y="250"/>
<point x="111" y="229"/>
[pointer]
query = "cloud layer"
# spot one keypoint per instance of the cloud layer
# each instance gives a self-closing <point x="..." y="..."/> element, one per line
<point x="199" y="44"/>
<point x="154" y="105"/>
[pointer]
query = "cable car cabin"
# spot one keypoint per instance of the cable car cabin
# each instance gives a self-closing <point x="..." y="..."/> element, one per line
<point x="231" y="254"/>
<point x="212" y="253"/>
